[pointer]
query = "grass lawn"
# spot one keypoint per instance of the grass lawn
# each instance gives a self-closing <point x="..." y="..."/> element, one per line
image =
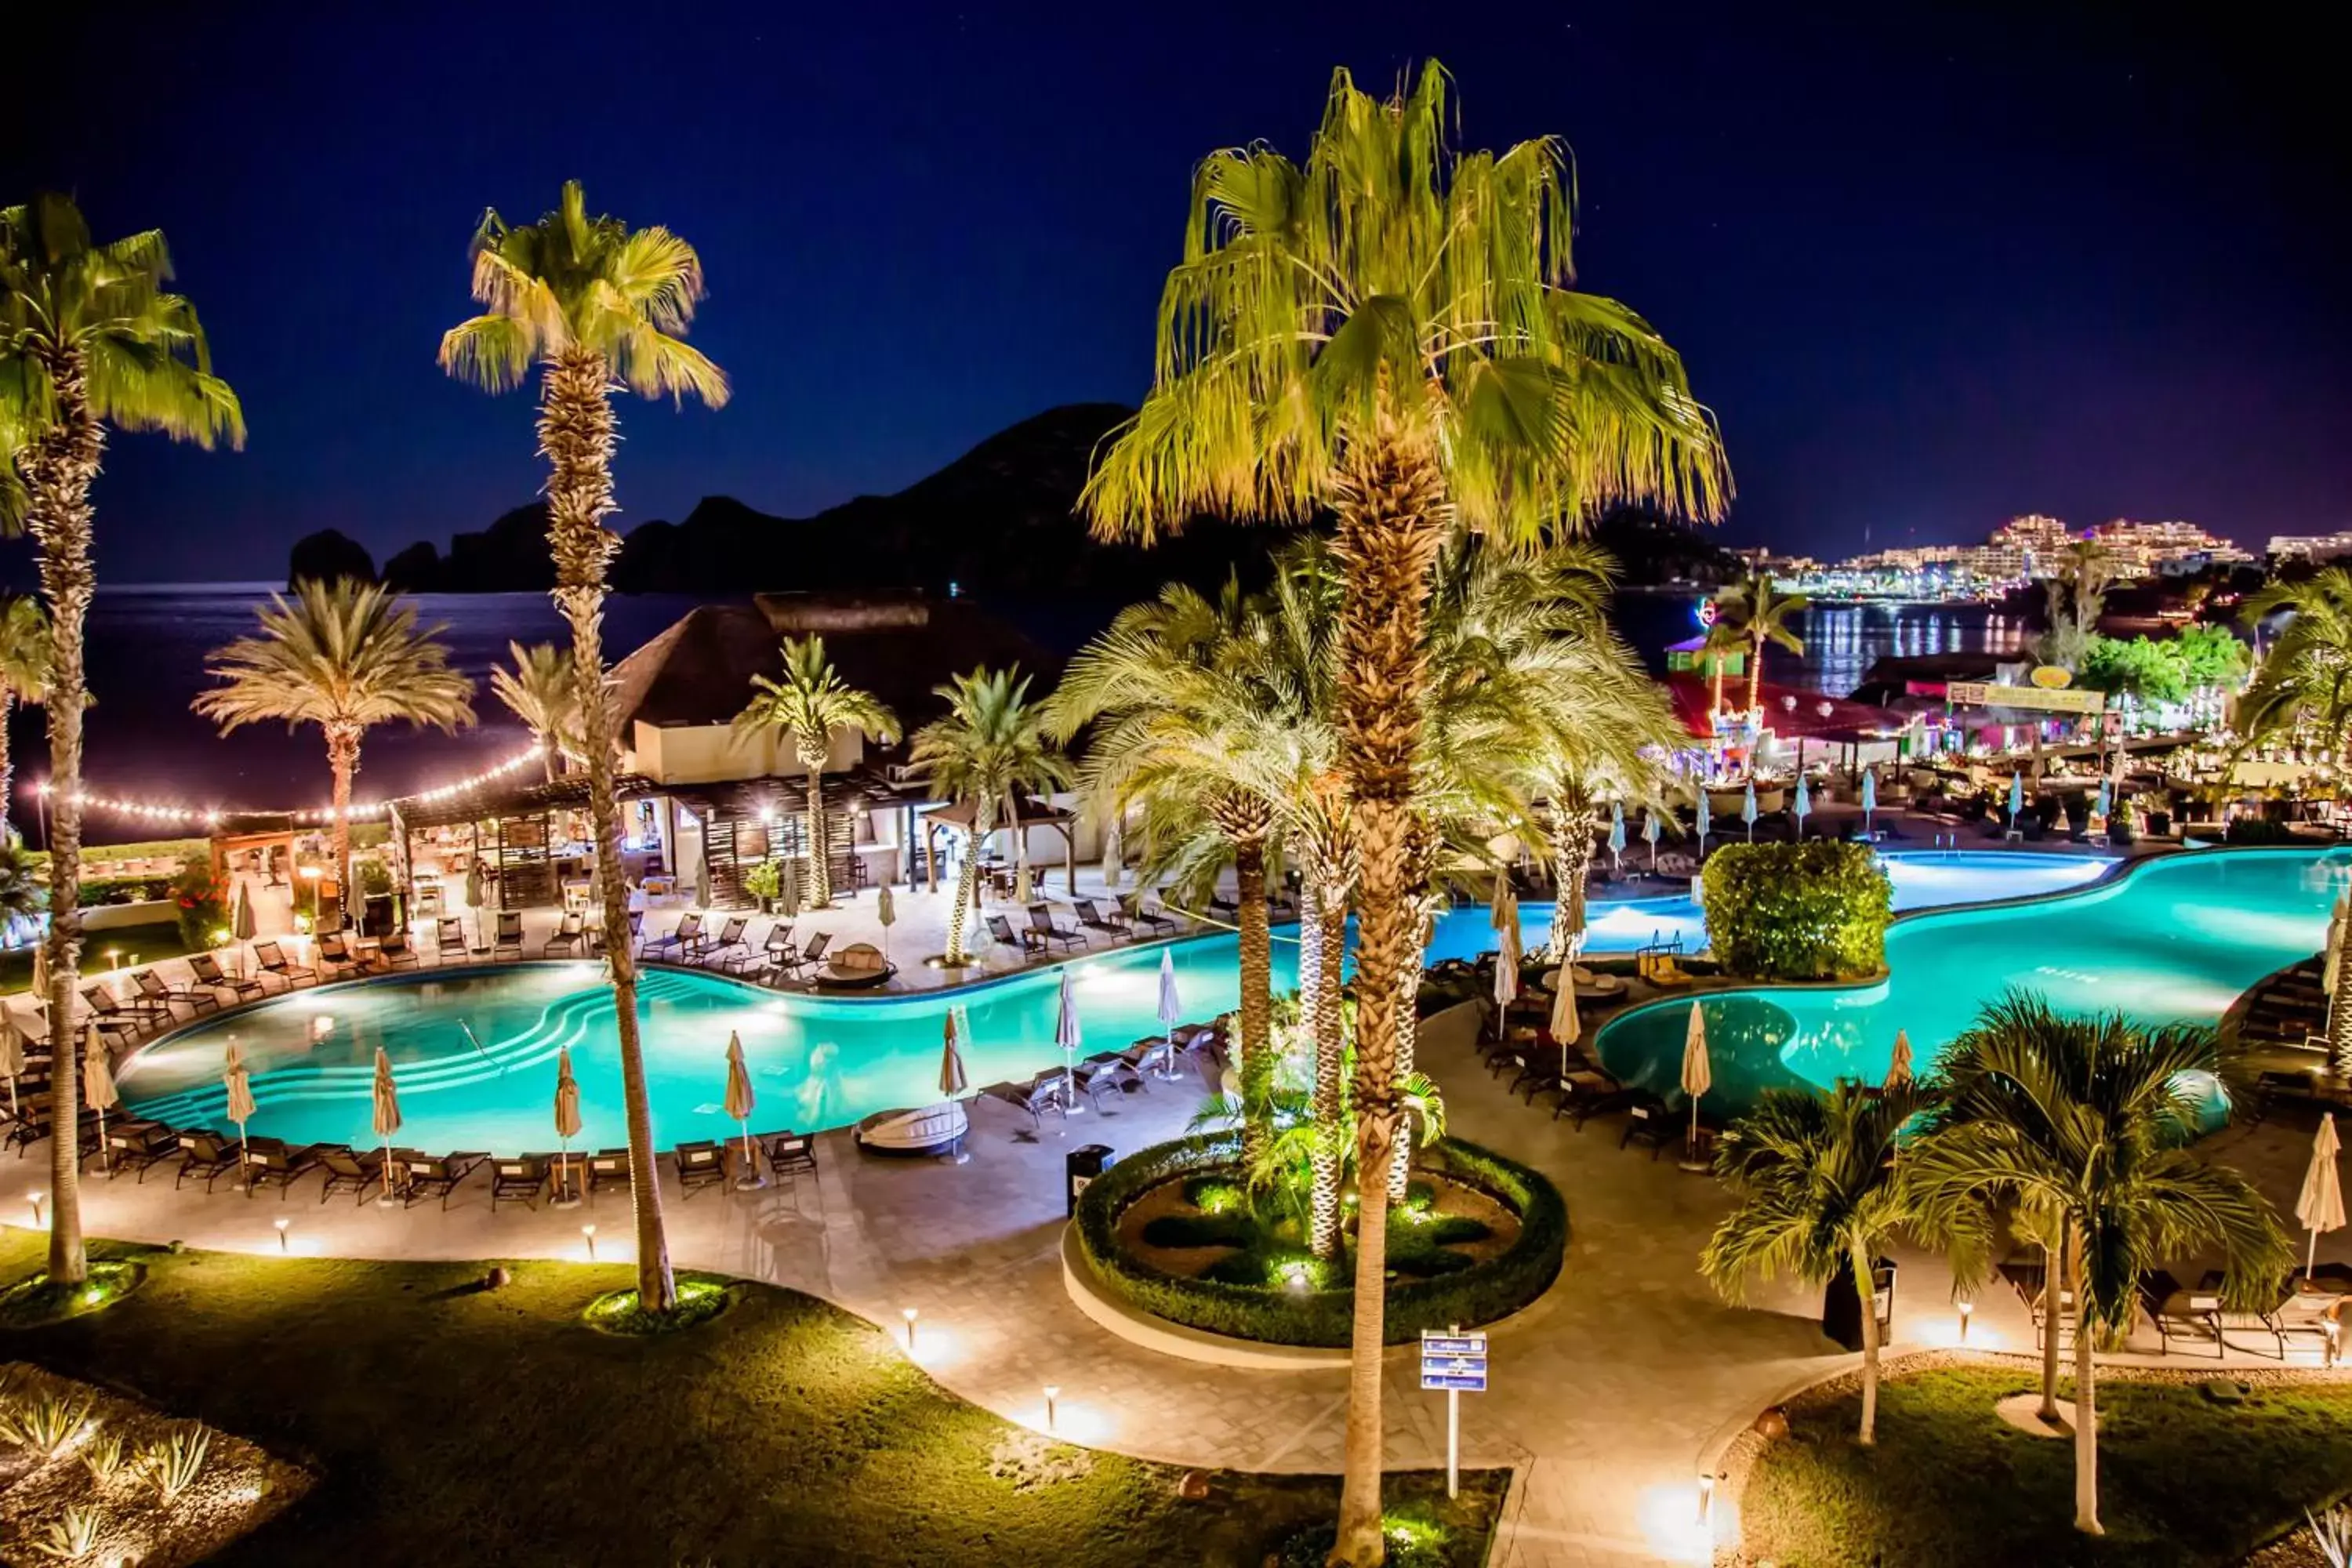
<point x="454" y="1424"/>
<point x="2182" y="1480"/>
<point x="152" y="944"/>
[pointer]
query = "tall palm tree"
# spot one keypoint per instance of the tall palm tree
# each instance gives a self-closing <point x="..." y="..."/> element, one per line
<point x="1762" y="615"/>
<point x="346" y="656"/>
<point x="992" y="743"/>
<point x="24" y="639"/>
<point x="543" y="689"/>
<point x="1725" y="636"/>
<point x="808" y="705"/>
<point x="1386" y="331"/>
<point x="1820" y="1193"/>
<point x="2084" y="1124"/>
<point x="90" y="338"/>
<point x="595" y="307"/>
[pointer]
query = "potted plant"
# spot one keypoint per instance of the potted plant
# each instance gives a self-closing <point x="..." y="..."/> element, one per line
<point x="764" y="881"/>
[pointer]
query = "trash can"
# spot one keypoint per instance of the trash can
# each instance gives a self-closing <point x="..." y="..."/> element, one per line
<point x="1842" y="1310"/>
<point x="1081" y="1165"/>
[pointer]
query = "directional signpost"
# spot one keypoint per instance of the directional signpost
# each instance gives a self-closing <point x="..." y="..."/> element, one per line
<point x="1457" y="1362"/>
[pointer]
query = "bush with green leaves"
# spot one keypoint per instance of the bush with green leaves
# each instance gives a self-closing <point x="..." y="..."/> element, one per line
<point x="1466" y="1292"/>
<point x="1812" y="911"/>
<point x="172" y="1463"/>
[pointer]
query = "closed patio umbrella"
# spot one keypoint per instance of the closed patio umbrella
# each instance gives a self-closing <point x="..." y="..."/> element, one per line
<point x="1869" y="798"/>
<point x="1650" y="835"/>
<point x="1748" y="810"/>
<point x="1804" y="803"/>
<point x="2320" y="1206"/>
<point x="952" y="1081"/>
<point x="98" y="1091"/>
<point x="241" y="926"/>
<point x="41" y="972"/>
<point x="2016" y="799"/>
<point x="387" y="1117"/>
<point x="739" y="1102"/>
<point x="1171" y="1009"/>
<point x="12" y="1054"/>
<point x="2106" y="807"/>
<point x="1068" y="1035"/>
<point x="886" y="910"/>
<point x="702" y="883"/>
<point x="1706" y="820"/>
<point x="240" y="1102"/>
<point x="1616" y="834"/>
<point x="567" y="1123"/>
<point x="1566" y="1026"/>
<point x="1898" y="1065"/>
<point x="1698" y="1072"/>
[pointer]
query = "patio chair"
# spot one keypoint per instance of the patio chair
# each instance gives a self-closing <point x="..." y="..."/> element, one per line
<point x="808" y="955"/>
<point x="1041" y="920"/>
<point x="432" y="1176"/>
<point x="680" y="939"/>
<point x="113" y="1016"/>
<point x="1149" y="912"/>
<point x="1038" y="1096"/>
<point x="336" y="959"/>
<point x="1648" y="1124"/>
<point x="270" y="959"/>
<point x="571" y="935"/>
<point x="2179" y="1313"/>
<point x="135" y="1145"/>
<point x="268" y="1162"/>
<point x="520" y="1180"/>
<point x="790" y="1153"/>
<point x="359" y="1173"/>
<point x="1587" y="1091"/>
<point x="448" y="936"/>
<point x="1000" y="930"/>
<point x="394" y="951"/>
<point x="211" y="977"/>
<point x="509" y="934"/>
<point x="607" y="1168"/>
<point x="1093" y="916"/>
<point x="775" y="951"/>
<point x="701" y="1164"/>
<point x="711" y="951"/>
<point x="151" y="985"/>
<point x="205" y="1158"/>
<point x="1108" y="1071"/>
<point x="1153" y="1053"/>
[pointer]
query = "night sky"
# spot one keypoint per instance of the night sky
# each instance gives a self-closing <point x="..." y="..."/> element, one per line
<point x="1931" y="269"/>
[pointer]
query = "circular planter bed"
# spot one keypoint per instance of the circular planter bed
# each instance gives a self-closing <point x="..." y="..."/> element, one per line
<point x="1168" y="1231"/>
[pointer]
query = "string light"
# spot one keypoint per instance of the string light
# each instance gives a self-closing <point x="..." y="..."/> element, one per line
<point x="149" y="811"/>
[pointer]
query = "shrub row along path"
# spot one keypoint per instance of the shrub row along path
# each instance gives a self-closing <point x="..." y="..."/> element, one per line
<point x="1605" y="1394"/>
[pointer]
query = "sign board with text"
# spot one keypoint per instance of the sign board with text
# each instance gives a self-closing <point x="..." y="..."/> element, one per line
<point x="1984" y="694"/>
<point x="1454" y="1362"/>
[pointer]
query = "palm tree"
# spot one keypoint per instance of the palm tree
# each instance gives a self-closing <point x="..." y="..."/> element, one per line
<point x="1386" y="331"/>
<point x="2082" y="1125"/>
<point x="1821" y="1194"/>
<point x="543" y="689"/>
<point x="89" y="338"/>
<point x="992" y="743"/>
<point x="594" y="306"/>
<point x="346" y="656"/>
<point x="1724" y="638"/>
<point x="808" y="704"/>
<point x="1763" y="616"/>
<point x="24" y="677"/>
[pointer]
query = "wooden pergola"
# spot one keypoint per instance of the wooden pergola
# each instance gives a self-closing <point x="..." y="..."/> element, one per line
<point x="1028" y="812"/>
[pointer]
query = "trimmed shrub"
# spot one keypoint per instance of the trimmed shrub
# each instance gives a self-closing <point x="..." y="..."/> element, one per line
<point x="1814" y="910"/>
<point x="1283" y="1314"/>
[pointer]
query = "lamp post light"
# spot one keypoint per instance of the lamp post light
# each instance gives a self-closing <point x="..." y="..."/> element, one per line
<point x="34" y="1198"/>
<point x="1053" y="1393"/>
<point x="1706" y="1499"/>
<point x="909" y="1314"/>
<point x="281" y="1225"/>
<point x="1968" y="1310"/>
<point x="588" y="1234"/>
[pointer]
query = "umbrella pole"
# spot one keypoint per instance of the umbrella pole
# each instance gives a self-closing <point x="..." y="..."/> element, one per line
<point x="2310" y="1256"/>
<point x="105" y="1165"/>
<point x="386" y="1201"/>
<point x="244" y="1157"/>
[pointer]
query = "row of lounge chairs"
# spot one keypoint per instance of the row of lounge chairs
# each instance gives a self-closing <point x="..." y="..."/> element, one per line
<point x="1112" y="1073"/>
<point x="776" y="957"/>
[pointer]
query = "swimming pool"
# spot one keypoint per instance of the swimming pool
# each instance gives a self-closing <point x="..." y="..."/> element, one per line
<point x="2176" y="939"/>
<point x="1923" y="879"/>
<point x="816" y="1062"/>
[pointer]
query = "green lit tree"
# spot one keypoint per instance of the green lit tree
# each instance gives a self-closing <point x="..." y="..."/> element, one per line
<point x="541" y="687"/>
<point x="808" y="705"/>
<point x="25" y="643"/>
<point x="1762" y="615"/>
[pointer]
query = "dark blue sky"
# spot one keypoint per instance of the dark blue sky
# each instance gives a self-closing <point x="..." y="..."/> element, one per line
<point x="1931" y="268"/>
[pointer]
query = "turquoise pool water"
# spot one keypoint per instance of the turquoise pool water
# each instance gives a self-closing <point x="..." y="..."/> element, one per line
<point x="816" y="1062"/>
<point x="2176" y="940"/>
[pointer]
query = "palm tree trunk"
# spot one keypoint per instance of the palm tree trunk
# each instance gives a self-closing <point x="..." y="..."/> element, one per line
<point x="983" y="823"/>
<point x="1864" y="1280"/>
<point x="2086" y="1410"/>
<point x="342" y="761"/>
<point x="1572" y="830"/>
<point x="1323" y="930"/>
<point x="7" y="767"/>
<point x="1020" y="843"/>
<point x="1390" y="505"/>
<point x="1245" y="819"/>
<point x="820" y="856"/>
<point x="2054" y="1274"/>
<point x="2339" y="1014"/>
<point x="1425" y="871"/>
<point x="1755" y="679"/>
<point x="576" y="433"/>
<point x="58" y="472"/>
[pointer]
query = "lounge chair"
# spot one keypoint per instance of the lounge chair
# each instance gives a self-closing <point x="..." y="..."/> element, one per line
<point x="1150" y="913"/>
<point x="607" y="1168"/>
<point x="394" y="950"/>
<point x="151" y="985"/>
<point x="520" y="1180"/>
<point x="1038" y="1096"/>
<point x="1153" y="1053"/>
<point x="1092" y="916"/>
<point x="204" y="1158"/>
<point x="509" y="934"/>
<point x="336" y="959"/>
<point x="115" y="1017"/>
<point x="710" y="951"/>
<point x="1107" y="1071"/>
<point x="270" y="959"/>
<point x="571" y="935"/>
<point x="681" y="938"/>
<point x="135" y="1145"/>
<point x="1041" y="920"/>
<point x="359" y="1173"/>
<point x="1658" y="967"/>
<point x="794" y="963"/>
<point x="774" y="953"/>
<point x="701" y="1164"/>
<point x="2179" y="1313"/>
<point x="790" y="1153"/>
<point x="1586" y="1091"/>
<point x="1648" y="1124"/>
<point x="1026" y="939"/>
<point x="448" y="937"/>
<point x="211" y="976"/>
<point x="268" y="1162"/>
<point x="433" y="1176"/>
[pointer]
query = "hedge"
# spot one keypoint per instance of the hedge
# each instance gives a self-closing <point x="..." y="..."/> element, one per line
<point x="1478" y="1294"/>
<point x="1813" y="910"/>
